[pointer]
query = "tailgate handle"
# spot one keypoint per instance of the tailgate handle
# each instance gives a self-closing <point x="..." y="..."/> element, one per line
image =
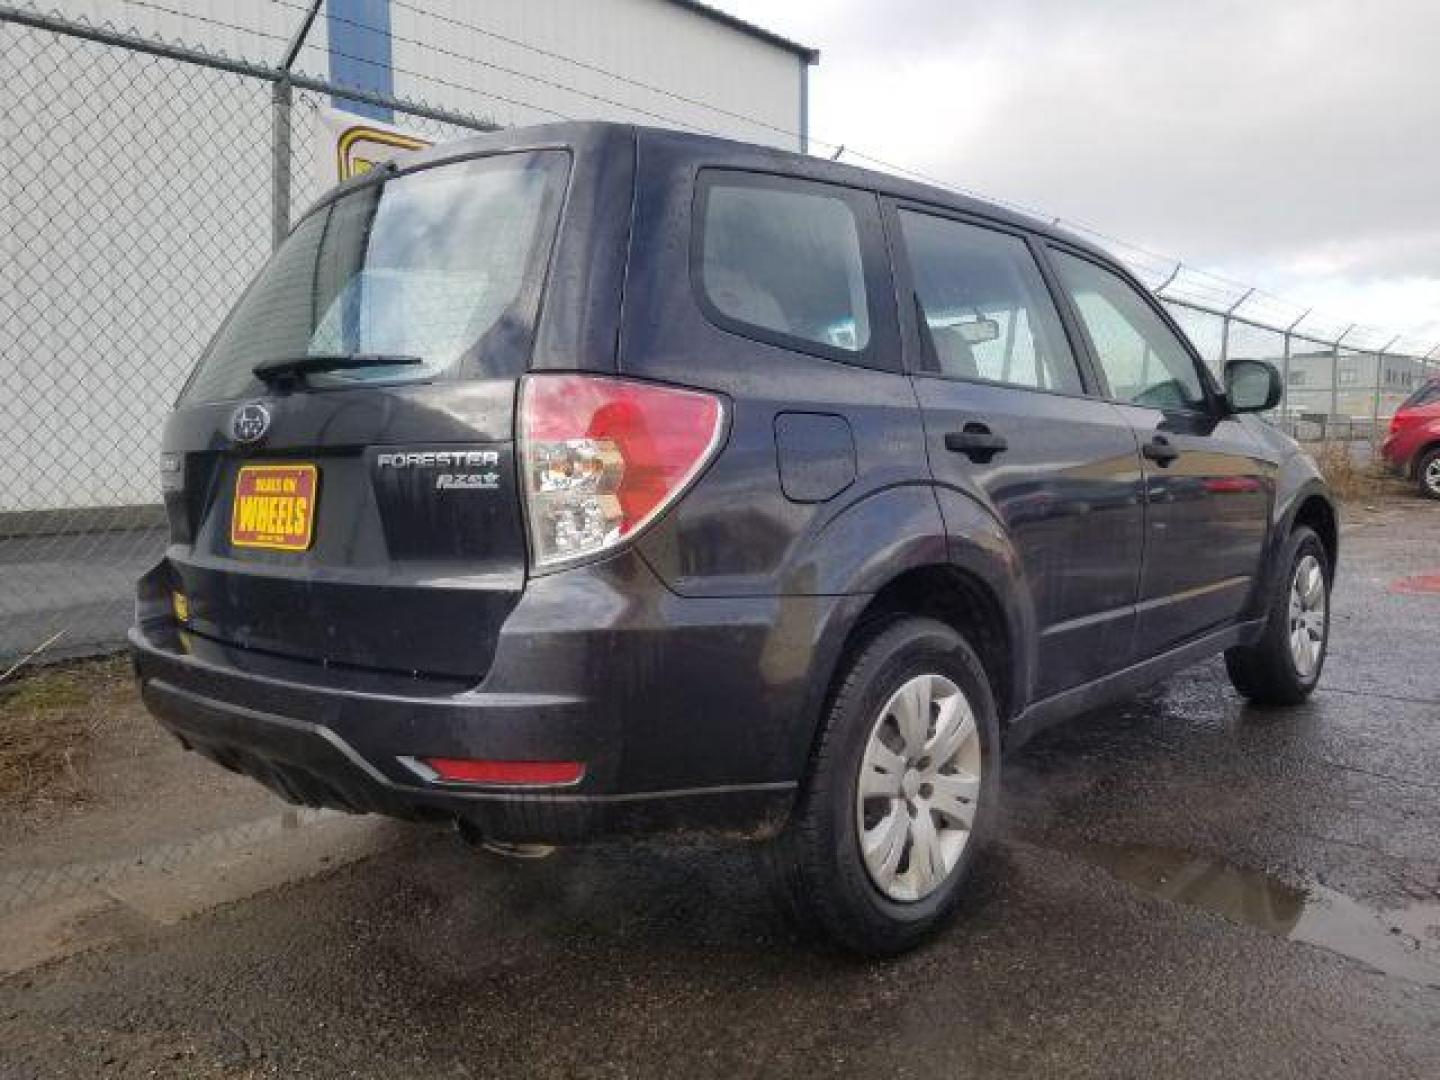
<point x="976" y="441"/>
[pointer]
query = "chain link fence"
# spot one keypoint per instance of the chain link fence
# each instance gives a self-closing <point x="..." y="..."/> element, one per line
<point x="1342" y="380"/>
<point x="146" y="184"/>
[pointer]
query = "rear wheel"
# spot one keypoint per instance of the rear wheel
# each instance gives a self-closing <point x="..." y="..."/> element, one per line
<point x="1283" y="667"/>
<point x="1427" y="473"/>
<point x="902" y="791"/>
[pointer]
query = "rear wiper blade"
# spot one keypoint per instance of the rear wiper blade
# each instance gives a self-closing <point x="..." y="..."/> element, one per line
<point x="289" y="367"/>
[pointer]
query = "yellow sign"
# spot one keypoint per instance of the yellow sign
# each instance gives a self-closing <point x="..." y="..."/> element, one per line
<point x="274" y="507"/>
<point x="360" y="145"/>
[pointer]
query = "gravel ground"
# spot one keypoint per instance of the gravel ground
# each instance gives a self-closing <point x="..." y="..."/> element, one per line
<point x="1186" y="887"/>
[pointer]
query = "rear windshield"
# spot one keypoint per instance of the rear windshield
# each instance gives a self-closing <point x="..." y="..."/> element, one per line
<point x="426" y="266"/>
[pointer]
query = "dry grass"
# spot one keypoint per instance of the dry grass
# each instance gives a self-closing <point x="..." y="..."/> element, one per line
<point x="48" y="720"/>
<point x="1350" y="480"/>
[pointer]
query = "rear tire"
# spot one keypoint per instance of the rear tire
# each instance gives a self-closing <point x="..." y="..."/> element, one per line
<point x="879" y="868"/>
<point x="1427" y="473"/>
<point x="1284" y="666"/>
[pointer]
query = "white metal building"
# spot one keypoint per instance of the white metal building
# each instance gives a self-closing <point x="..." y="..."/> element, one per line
<point x="740" y="81"/>
<point x="671" y="63"/>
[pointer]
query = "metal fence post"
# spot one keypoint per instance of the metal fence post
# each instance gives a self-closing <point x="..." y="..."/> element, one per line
<point x="1285" y="372"/>
<point x="280" y="163"/>
<point x="1335" y="373"/>
<point x="1379" y="380"/>
<point x="1285" y="380"/>
<point x="283" y="97"/>
<point x="1225" y="329"/>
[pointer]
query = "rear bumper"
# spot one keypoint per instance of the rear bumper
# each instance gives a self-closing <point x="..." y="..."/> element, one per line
<point x="688" y="714"/>
<point x="309" y="764"/>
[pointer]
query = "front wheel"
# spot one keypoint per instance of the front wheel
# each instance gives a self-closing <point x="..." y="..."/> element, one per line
<point x="1427" y="473"/>
<point x="902" y="790"/>
<point x="1284" y="666"/>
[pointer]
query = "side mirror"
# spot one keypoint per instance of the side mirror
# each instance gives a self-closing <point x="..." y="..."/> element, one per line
<point x="1252" y="386"/>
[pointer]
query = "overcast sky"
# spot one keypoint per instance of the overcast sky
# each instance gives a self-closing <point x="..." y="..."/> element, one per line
<point x="1294" y="144"/>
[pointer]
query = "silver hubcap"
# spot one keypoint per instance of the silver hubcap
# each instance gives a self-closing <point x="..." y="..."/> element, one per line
<point x="1432" y="476"/>
<point x="919" y="788"/>
<point x="1307" y="616"/>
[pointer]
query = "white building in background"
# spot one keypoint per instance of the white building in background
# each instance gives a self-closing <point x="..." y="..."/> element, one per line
<point x="740" y="81"/>
<point x="138" y="195"/>
<point x="670" y="63"/>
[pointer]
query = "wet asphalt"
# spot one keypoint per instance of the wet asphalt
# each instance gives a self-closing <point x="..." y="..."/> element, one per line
<point x="1185" y="887"/>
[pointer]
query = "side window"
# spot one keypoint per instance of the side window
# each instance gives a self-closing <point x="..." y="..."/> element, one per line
<point x="985" y="305"/>
<point x="784" y="258"/>
<point x="1144" y="362"/>
<point x="1428" y="394"/>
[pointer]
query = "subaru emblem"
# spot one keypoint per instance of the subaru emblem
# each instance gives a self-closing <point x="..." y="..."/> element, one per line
<point x="249" y="422"/>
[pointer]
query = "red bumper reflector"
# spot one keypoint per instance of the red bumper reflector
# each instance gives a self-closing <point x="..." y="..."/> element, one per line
<point x="470" y="771"/>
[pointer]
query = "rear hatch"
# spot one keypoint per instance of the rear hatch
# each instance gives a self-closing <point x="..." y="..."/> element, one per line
<point x="342" y="464"/>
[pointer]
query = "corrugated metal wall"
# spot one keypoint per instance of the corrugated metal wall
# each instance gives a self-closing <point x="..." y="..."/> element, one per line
<point x="749" y="88"/>
<point x="644" y="61"/>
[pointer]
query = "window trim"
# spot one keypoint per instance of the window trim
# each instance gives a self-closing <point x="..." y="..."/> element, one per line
<point x="874" y="264"/>
<point x="1213" y="405"/>
<point x="908" y="300"/>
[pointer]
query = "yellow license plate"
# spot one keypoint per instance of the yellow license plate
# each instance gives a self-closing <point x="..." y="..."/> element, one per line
<point x="274" y="507"/>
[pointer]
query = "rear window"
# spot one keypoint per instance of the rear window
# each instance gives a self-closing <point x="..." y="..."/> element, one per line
<point x="780" y="260"/>
<point x="428" y="265"/>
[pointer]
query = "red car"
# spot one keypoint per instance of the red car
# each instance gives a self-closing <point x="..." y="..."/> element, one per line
<point x="1413" y="445"/>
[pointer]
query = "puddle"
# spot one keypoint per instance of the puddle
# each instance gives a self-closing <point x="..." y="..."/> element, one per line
<point x="1404" y="942"/>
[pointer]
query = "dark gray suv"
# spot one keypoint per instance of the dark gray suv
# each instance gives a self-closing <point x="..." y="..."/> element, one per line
<point x="591" y="478"/>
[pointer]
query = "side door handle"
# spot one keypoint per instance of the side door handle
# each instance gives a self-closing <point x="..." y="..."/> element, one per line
<point x="1159" y="451"/>
<point x="976" y="441"/>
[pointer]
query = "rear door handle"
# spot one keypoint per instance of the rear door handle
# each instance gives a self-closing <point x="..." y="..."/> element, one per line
<point x="977" y="442"/>
<point x="1160" y="451"/>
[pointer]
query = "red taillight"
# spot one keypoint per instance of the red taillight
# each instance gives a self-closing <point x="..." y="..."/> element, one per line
<point x="602" y="457"/>
<point x="472" y="771"/>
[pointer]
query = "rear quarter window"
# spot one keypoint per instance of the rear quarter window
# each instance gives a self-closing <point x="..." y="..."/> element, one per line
<point x="784" y="261"/>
